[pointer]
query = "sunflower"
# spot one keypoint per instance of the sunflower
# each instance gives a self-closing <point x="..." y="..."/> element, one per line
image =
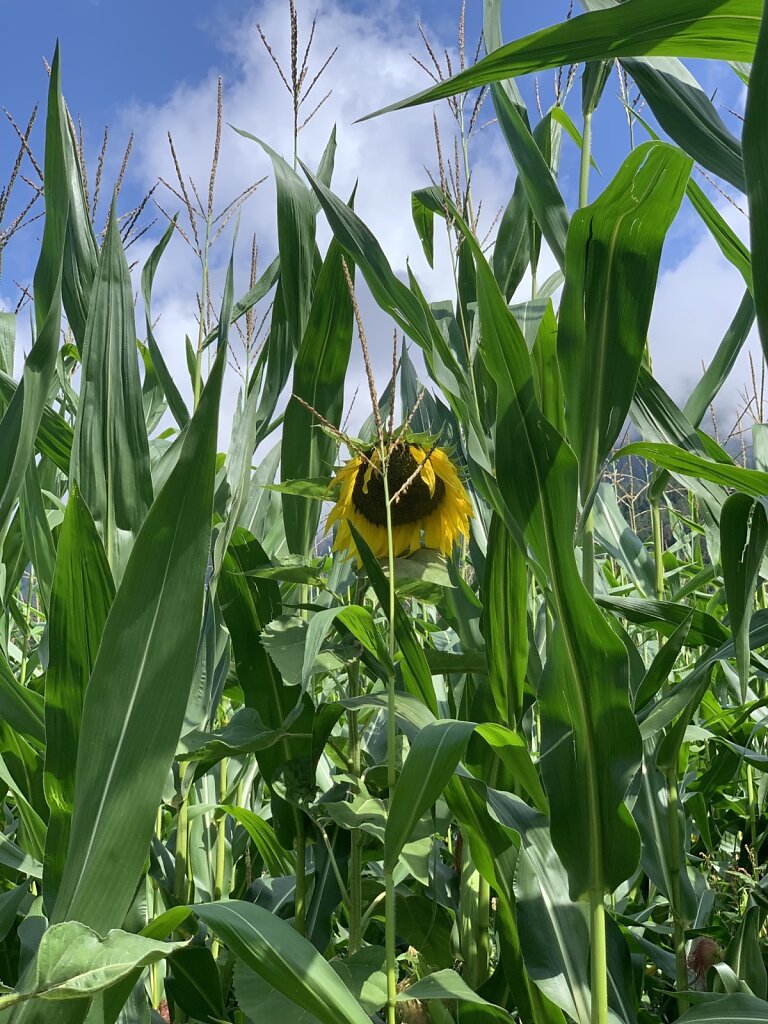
<point x="426" y="493"/>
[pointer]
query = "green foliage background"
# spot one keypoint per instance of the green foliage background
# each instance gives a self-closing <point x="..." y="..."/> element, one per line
<point x="242" y="778"/>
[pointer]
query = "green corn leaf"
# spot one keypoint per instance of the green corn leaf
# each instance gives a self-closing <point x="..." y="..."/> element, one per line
<point x="416" y="673"/>
<point x="110" y="455"/>
<point x="81" y="596"/>
<point x="36" y="532"/>
<point x="171" y="392"/>
<point x="254" y="295"/>
<point x="81" y="252"/>
<point x="718" y="29"/>
<point x="295" y="239"/>
<point x="54" y="434"/>
<point x="128" y="737"/>
<point x="755" y="143"/>
<point x="505" y="621"/>
<point x="612" y="261"/>
<point x="248" y="604"/>
<point x="661" y="667"/>
<point x="615" y="537"/>
<point x="7" y="341"/>
<point x="20" y="424"/>
<point x="424" y="221"/>
<point x="554" y="931"/>
<point x="356" y="619"/>
<point x="288" y="962"/>
<point x="538" y="181"/>
<point x="743" y="539"/>
<point x="194" y="984"/>
<point x="697" y="467"/>
<point x="431" y="762"/>
<point x="666" y="616"/>
<point x="684" y="110"/>
<point x="715" y="375"/>
<point x="20" y="707"/>
<point x="536" y="477"/>
<point x="736" y="1009"/>
<point x="73" y="961"/>
<point x="402" y="303"/>
<point x="276" y="860"/>
<point x="318" y="380"/>
<point x="728" y="242"/>
<point x="744" y="954"/>
<point x="688" y="116"/>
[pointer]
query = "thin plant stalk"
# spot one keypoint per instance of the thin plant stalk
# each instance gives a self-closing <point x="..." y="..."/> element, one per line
<point x="180" y="878"/>
<point x="221" y="845"/>
<point x="389" y="881"/>
<point x="180" y="883"/>
<point x="598" y="958"/>
<point x="203" y="306"/>
<point x="658" y="549"/>
<point x="300" y="918"/>
<point x="355" y="881"/>
<point x="675" y="854"/>
<point x="154" y="973"/>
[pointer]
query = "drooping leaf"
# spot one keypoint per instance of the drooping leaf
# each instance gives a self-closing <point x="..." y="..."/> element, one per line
<point x="697" y="467"/>
<point x="431" y="762"/>
<point x="612" y="261"/>
<point x="732" y="1008"/>
<point x="73" y="961"/>
<point x="275" y="951"/>
<point x="719" y="29"/>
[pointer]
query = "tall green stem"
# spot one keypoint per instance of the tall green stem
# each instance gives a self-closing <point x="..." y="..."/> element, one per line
<point x="180" y="876"/>
<point x="221" y="833"/>
<point x="300" y="919"/>
<point x="354" y="880"/>
<point x="588" y="536"/>
<point x="389" y="881"/>
<point x="180" y="882"/>
<point x="598" y="961"/>
<point x="221" y="844"/>
<point x="586" y="156"/>
<point x="658" y="550"/>
<point x="675" y="896"/>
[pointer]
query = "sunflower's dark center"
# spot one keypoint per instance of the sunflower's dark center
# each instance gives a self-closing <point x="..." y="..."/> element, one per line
<point x="414" y="503"/>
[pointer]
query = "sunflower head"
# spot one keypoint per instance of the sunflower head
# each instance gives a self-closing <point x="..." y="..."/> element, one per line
<point x="427" y="500"/>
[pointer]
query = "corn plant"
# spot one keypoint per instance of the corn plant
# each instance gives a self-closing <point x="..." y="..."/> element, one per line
<point x="417" y="724"/>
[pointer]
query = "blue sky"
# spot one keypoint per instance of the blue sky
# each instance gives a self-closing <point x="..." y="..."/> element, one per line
<point x="152" y="67"/>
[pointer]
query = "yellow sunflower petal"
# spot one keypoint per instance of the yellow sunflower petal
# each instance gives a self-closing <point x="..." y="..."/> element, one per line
<point x="426" y="472"/>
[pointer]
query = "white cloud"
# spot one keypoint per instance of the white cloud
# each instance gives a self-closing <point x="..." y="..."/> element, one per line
<point x="387" y="155"/>
<point x="695" y="303"/>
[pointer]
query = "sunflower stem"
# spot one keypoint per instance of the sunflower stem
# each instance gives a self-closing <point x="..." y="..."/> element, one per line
<point x="355" y="880"/>
<point x="389" y="881"/>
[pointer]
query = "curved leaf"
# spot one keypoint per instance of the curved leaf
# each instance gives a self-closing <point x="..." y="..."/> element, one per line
<point x="719" y="29"/>
<point x="291" y="964"/>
